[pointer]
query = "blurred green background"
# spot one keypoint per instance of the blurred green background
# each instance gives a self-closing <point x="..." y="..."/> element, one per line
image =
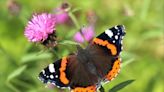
<point x="143" y="56"/>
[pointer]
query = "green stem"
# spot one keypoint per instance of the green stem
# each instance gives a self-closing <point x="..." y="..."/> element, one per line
<point x="102" y="89"/>
<point x="72" y="16"/>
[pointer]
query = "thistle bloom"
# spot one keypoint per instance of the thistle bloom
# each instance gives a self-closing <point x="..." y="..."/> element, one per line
<point x="40" y="27"/>
<point x="86" y="34"/>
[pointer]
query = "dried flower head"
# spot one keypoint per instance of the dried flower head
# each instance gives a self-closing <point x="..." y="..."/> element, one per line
<point x="85" y="34"/>
<point x="40" y="27"/>
<point x="14" y="7"/>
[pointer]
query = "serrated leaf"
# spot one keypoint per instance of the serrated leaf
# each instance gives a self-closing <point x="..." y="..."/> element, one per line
<point x="35" y="56"/>
<point x="16" y="72"/>
<point x="121" y="86"/>
<point x="65" y="42"/>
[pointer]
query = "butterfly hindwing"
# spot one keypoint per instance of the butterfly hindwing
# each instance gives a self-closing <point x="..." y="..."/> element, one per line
<point x="112" y="73"/>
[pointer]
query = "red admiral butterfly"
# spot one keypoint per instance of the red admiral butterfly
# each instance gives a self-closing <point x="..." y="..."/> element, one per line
<point x="84" y="70"/>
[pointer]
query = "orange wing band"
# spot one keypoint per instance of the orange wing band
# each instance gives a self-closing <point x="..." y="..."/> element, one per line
<point x="107" y="44"/>
<point x="86" y="89"/>
<point x="115" y="70"/>
<point x="62" y="69"/>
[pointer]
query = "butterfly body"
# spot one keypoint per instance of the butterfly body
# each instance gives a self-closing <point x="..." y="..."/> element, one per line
<point x="84" y="70"/>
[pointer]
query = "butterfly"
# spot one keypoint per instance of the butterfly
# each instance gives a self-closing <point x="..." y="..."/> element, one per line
<point x="84" y="70"/>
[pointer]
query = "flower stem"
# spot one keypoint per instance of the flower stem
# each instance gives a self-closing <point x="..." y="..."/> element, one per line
<point x="72" y="16"/>
<point x="102" y="89"/>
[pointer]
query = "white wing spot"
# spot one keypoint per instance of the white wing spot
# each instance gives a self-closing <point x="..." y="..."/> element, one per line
<point x="51" y="68"/>
<point x="122" y="48"/>
<point x="51" y="76"/>
<point x="116" y="37"/>
<point x="116" y="27"/>
<point x="122" y="37"/>
<point x="58" y="86"/>
<point x="53" y="84"/>
<point x="109" y="33"/>
<point x="43" y="71"/>
<point x="121" y="41"/>
<point x="56" y="76"/>
<point x="114" y="41"/>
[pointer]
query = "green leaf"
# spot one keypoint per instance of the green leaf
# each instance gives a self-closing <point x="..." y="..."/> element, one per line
<point x="121" y="86"/>
<point x="152" y="34"/>
<point x="35" y="56"/>
<point x="127" y="58"/>
<point x="145" y="7"/>
<point x="12" y="87"/>
<point x="65" y="42"/>
<point x="76" y="9"/>
<point x="127" y="62"/>
<point x="16" y="72"/>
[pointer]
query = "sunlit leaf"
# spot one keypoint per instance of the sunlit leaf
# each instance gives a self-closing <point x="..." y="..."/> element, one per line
<point x="120" y="86"/>
<point x="16" y="72"/>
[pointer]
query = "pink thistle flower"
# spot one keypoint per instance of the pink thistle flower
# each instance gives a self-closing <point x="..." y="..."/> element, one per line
<point x="40" y="27"/>
<point x="61" y="14"/>
<point x="86" y="34"/>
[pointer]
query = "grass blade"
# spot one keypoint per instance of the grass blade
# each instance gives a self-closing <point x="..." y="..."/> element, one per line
<point x="121" y="86"/>
<point x="16" y="73"/>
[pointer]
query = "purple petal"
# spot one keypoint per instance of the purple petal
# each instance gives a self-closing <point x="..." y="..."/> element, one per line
<point x="39" y="27"/>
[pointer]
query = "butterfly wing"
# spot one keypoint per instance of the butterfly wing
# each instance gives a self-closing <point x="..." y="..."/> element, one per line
<point x="70" y="72"/>
<point x="111" y="39"/>
<point x="55" y="73"/>
<point x="105" y="50"/>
